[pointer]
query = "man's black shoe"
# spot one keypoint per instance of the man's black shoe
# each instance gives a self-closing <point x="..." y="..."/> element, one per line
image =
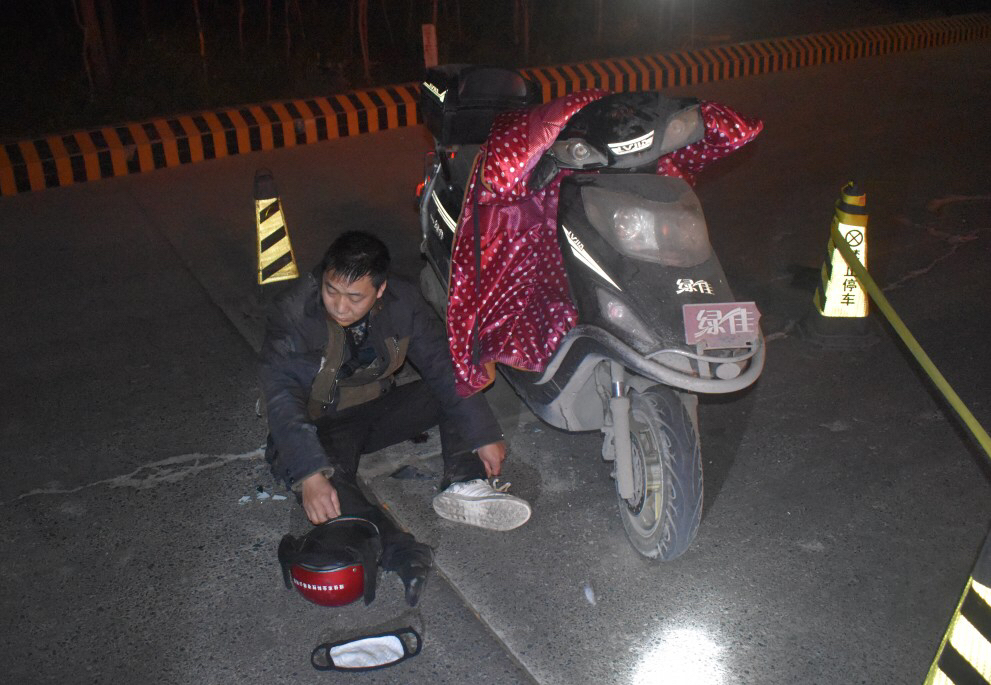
<point x="412" y="562"/>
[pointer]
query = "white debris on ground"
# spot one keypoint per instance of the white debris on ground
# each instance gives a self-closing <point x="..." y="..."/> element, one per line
<point x="590" y="593"/>
<point x="261" y="496"/>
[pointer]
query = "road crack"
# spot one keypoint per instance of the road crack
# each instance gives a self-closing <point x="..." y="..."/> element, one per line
<point x="147" y="476"/>
<point x="954" y="240"/>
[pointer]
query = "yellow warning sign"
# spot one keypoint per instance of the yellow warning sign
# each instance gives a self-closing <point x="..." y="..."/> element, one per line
<point x="841" y="294"/>
<point x="276" y="260"/>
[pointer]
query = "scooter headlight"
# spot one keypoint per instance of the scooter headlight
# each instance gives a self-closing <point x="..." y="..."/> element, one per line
<point x="670" y="232"/>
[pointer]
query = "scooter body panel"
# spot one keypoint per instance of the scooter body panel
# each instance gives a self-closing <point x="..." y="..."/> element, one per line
<point x="648" y="297"/>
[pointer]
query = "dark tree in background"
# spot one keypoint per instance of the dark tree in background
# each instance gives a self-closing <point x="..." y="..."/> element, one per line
<point x="78" y="63"/>
<point x="199" y="32"/>
<point x="109" y="30"/>
<point x="96" y="60"/>
<point x="521" y="26"/>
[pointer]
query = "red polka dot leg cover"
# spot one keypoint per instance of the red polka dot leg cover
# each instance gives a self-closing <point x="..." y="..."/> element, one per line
<point x="522" y="304"/>
<point x="725" y="132"/>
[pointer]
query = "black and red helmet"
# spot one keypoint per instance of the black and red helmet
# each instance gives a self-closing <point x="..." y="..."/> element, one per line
<point x="334" y="564"/>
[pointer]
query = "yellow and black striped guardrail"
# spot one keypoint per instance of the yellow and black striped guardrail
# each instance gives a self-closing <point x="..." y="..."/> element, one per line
<point x="110" y="151"/>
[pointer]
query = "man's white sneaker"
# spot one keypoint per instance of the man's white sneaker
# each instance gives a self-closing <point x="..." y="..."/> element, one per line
<point x="477" y="503"/>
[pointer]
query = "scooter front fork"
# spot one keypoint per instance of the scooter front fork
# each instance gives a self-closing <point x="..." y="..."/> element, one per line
<point x="619" y="410"/>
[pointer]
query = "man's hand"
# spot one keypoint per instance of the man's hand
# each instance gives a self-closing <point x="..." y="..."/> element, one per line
<point x="320" y="499"/>
<point x="492" y="455"/>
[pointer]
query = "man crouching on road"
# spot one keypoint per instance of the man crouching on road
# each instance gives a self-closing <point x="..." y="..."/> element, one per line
<point x="332" y="345"/>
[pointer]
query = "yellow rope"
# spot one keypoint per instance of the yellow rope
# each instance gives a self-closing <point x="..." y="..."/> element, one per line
<point x="910" y="342"/>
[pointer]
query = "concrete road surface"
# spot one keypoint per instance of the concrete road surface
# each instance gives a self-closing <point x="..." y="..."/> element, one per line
<point x="844" y="503"/>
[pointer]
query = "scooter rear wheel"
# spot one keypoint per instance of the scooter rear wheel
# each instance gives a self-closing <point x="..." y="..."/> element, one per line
<point x="662" y="516"/>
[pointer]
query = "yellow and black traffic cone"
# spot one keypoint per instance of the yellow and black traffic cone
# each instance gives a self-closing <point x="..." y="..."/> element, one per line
<point x="964" y="655"/>
<point x="276" y="260"/>
<point x="839" y="313"/>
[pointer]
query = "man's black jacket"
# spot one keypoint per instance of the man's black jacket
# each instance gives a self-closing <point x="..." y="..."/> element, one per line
<point x="295" y="342"/>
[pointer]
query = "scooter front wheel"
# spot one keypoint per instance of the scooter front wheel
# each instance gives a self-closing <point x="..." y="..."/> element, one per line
<point x="662" y="516"/>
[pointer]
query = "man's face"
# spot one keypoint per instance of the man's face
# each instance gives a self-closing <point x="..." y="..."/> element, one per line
<point x="346" y="302"/>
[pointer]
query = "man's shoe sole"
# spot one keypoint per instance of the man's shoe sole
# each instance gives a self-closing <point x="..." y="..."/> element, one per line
<point x="492" y="513"/>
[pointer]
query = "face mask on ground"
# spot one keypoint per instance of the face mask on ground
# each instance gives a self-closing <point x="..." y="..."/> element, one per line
<point x="368" y="652"/>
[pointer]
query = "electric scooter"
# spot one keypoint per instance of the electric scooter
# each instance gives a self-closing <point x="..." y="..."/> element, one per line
<point x="657" y="322"/>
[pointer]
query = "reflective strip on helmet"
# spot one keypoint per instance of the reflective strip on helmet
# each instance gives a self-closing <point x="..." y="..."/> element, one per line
<point x="311" y="586"/>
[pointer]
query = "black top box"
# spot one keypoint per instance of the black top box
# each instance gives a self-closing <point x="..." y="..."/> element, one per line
<point x="459" y="101"/>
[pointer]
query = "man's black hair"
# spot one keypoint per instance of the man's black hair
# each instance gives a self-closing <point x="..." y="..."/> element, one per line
<point x="355" y="254"/>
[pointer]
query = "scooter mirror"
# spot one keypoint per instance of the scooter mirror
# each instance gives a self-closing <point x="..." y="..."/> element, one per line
<point x="684" y="128"/>
<point x="543" y="173"/>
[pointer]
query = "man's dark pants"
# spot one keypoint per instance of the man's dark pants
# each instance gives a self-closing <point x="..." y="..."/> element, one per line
<point x="401" y="414"/>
